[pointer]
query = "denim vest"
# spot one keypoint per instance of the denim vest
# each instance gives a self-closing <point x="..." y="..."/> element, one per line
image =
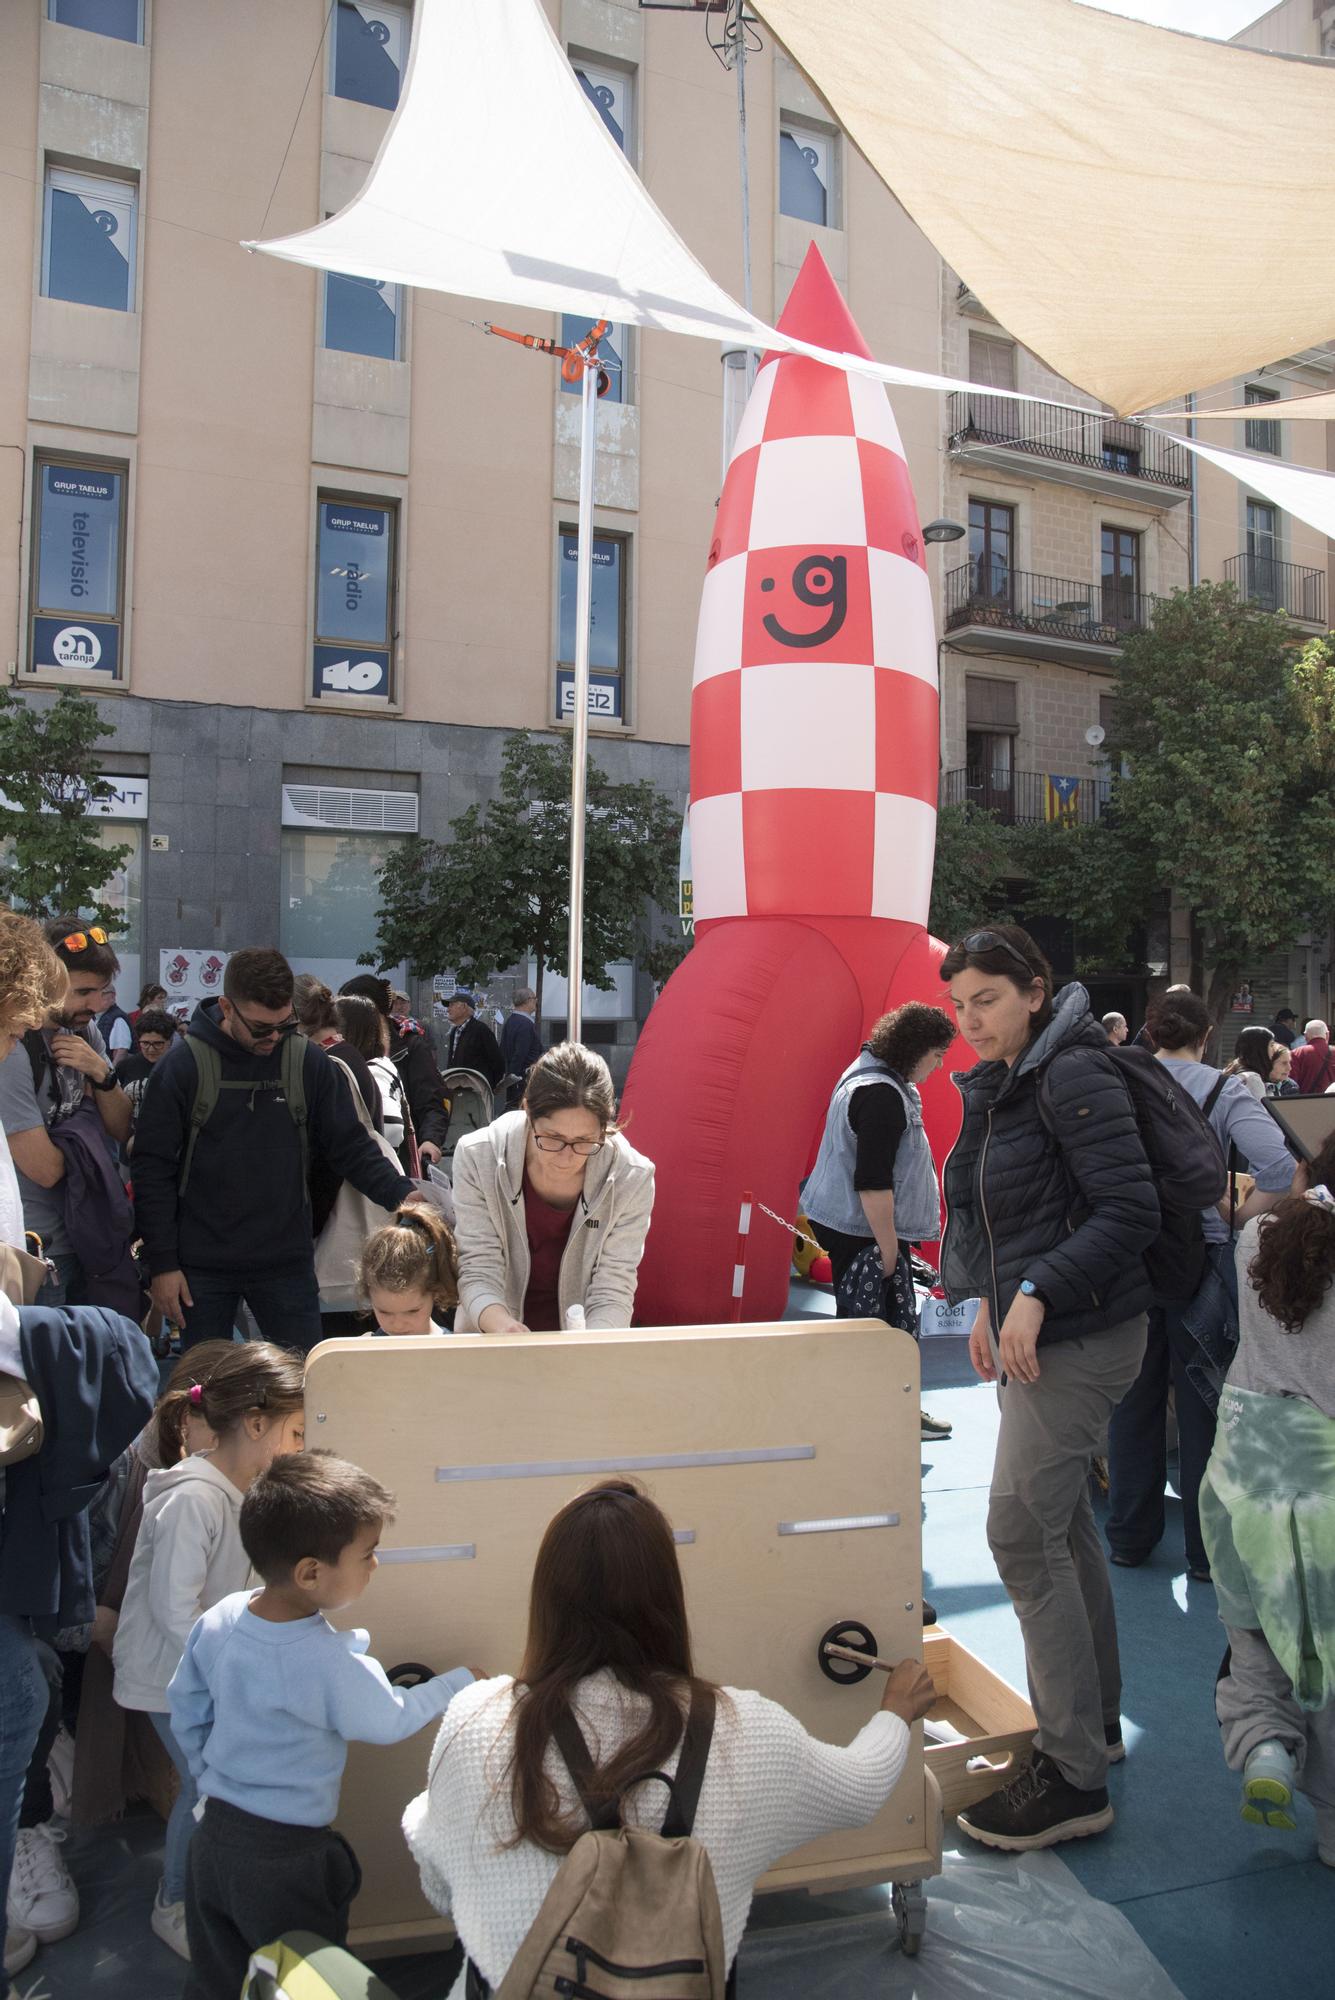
<point x="829" y="1195"/>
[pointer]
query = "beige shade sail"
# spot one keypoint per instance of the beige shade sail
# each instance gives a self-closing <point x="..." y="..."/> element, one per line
<point x="1320" y="407"/>
<point x="1149" y="212"/>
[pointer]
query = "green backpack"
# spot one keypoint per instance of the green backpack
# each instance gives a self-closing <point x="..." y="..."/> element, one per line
<point x="209" y="1083"/>
<point x="302" y="1966"/>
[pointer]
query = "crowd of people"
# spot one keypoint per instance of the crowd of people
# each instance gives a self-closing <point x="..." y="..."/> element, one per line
<point x="185" y="1215"/>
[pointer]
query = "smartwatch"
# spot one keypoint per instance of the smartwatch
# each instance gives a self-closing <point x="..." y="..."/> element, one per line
<point x="108" y="1082"/>
<point x="1031" y="1291"/>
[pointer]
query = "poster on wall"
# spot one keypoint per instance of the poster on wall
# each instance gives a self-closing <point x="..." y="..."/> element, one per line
<point x="189" y="977"/>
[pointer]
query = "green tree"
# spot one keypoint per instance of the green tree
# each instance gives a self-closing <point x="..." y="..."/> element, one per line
<point x="497" y="893"/>
<point x="974" y="857"/>
<point x="52" y="862"/>
<point x="1228" y="726"/>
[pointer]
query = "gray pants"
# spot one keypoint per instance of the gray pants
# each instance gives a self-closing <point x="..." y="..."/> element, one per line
<point x="1255" y="1704"/>
<point x="249" y="1882"/>
<point x="1048" y="1552"/>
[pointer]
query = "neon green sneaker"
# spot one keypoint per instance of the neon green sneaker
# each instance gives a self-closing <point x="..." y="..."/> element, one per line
<point x="1268" y="1778"/>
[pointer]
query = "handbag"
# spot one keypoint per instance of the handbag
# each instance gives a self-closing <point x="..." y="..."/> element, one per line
<point x="351" y="1220"/>
<point x="21" y="1432"/>
<point x="865" y="1292"/>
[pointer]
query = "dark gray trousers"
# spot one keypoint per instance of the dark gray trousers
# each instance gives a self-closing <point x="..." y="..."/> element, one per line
<point x="252" y="1880"/>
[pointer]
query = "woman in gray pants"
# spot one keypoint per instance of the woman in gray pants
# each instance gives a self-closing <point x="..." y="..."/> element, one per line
<point x="1049" y="1205"/>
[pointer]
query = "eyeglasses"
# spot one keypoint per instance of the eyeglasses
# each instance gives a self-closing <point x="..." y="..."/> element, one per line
<point x="78" y="941"/>
<point x="547" y="1142"/>
<point x="991" y="941"/>
<point x="266" y="1031"/>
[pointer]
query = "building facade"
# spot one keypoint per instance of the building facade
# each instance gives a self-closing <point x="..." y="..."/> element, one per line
<point x="308" y="541"/>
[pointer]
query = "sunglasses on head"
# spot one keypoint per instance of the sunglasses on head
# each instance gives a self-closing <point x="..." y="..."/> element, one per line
<point x="78" y="941"/>
<point x="990" y="941"/>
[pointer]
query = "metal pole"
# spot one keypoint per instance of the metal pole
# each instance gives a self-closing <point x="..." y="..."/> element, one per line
<point x="579" y="747"/>
<point x="737" y="29"/>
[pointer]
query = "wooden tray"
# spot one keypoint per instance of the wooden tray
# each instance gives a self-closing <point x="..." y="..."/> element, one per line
<point x="998" y="1722"/>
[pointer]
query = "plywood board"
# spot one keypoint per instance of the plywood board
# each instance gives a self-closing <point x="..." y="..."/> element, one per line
<point x="998" y="1722"/>
<point x="764" y="1445"/>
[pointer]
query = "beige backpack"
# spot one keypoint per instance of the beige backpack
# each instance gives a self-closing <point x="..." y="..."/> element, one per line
<point x="630" y="1915"/>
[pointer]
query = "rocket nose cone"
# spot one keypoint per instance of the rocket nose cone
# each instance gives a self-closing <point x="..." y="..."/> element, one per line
<point x="816" y="311"/>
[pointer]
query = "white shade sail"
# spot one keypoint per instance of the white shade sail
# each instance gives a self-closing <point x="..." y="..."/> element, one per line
<point x="1149" y="212"/>
<point x="497" y="180"/>
<point x="1319" y="408"/>
<point x="1296" y="488"/>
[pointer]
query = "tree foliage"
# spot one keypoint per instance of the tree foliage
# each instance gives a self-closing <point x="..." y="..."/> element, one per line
<point x="53" y="862"/>
<point x="1228" y="727"/>
<point x="497" y="892"/>
<point x="974" y="858"/>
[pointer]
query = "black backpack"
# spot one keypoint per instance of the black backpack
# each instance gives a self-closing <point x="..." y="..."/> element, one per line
<point x="1186" y="1162"/>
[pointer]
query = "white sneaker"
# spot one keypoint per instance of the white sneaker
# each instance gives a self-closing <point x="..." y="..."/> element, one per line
<point x="20" y="1948"/>
<point x="1268" y="1782"/>
<point x="42" y="1898"/>
<point x="60" y="1764"/>
<point x="168" y="1922"/>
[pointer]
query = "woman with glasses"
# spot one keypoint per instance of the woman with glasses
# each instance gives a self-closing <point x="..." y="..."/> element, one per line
<point x="1050" y="1203"/>
<point x="553" y="1206"/>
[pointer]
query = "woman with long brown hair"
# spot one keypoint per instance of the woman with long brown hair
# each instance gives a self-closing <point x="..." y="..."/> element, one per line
<point x="1268" y="1511"/>
<point x="609" y="1644"/>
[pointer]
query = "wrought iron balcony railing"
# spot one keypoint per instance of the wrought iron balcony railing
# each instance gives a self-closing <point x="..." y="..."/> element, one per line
<point x="1085" y="438"/>
<point x="1022" y="798"/>
<point x="1280" y="586"/>
<point x="983" y="592"/>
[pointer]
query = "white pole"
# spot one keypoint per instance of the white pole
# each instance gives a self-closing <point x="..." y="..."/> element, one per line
<point x="579" y="748"/>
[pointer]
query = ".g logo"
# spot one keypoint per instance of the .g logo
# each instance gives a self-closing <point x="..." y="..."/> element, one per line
<point x="76" y="646"/>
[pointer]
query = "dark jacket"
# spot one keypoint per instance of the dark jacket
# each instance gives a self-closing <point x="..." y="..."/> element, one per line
<point x="521" y="1044"/>
<point x="98" y="1214"/>
<point x="96" y="1381"/>
<point x="412" y="1058"/>
<point x="1073" y="1209"/>
<point x="245" y="1207"/>
<point x="476" y="1047"/>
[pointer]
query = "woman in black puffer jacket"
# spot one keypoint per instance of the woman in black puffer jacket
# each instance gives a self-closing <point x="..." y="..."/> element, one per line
<point x="1050" y="1204"/>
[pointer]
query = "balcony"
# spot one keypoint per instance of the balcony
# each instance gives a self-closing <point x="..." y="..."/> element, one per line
<point x="1085" y="448"/>
<point x="1011" y="612"/>
<point x="1280" y="586"/>
<point x="1020" y="798"/>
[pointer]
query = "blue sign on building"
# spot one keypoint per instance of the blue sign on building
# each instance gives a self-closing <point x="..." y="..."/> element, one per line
<point x="604" y="696"/>
<point x="63" y="642"/>
<point x="350" y="670"/>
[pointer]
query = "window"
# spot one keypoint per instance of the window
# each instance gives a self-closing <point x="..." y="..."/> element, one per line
<point x="991" y="539"/>
<point x="806" y="165"/>
<point x="1121" y="578"/>
<point x="330" y="899"/>
<point x="1261" y="433"/>
<point x="88" y="229"/>
<point x="355" y="576"/>
<point x="991" y="361"/>
<point x="368" y="52"/>
<point x="78" y="582"/>
<point x="609" y="91"/>
<point x="1122" y="458"/>
<point x="363" y="316"/>
<point x="121" y="19"/>
<point x="607" y="638"/>
<point x="989" y="755"/>
<point x="1263" y="571"/>
<point x="124" y="891"/>
<point x="614" y="349"/>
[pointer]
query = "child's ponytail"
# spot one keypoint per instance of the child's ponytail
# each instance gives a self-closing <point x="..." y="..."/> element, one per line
<point x="167" y="1425"/>
<point x="413" y="1253"/>
<point x="252" y="1375"/>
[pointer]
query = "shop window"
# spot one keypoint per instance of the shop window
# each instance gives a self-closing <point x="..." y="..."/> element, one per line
<point x="330" y="900"/>
<point x="88" y="236"/>
<point x="123" y="20"/>
<point x="355" y="571"/>
<point x="613" y="349"/>
<point x="78" y="573"/>
<point x="363" y="316"/>
<point x="806" y="173"/>
<point x="607" y="643"/>
<point x="610" y="93"/>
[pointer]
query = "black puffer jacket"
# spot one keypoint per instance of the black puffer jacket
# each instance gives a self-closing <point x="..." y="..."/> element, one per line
<point x="1072" y="1209"/>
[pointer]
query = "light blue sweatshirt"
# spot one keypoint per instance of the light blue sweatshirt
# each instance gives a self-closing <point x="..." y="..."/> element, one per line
<point x="265" y="1712"/>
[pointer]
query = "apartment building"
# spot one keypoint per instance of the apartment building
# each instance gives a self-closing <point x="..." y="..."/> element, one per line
<point x="309" y="541"/>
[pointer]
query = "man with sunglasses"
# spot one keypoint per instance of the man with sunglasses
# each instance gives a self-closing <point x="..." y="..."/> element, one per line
<point x="223" y="1144"/>
<point x="48" y="1078"/>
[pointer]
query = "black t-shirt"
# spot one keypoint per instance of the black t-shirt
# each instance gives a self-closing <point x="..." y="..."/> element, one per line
<point x="876" y="1114"/>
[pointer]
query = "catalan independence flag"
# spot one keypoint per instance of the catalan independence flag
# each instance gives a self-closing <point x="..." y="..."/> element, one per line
<point x="1062" y="802"/>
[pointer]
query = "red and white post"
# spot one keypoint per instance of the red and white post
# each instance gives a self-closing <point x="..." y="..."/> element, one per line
<point x="739" y="1268"/>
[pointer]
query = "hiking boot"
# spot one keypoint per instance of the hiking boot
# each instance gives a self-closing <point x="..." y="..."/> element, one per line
<point x="1268" y="1779"/>
<point x="20" y="1948"/>
<point x="168" y="1922"/>
<point x="932" y="1427"/>
<point x="1112" y="1736"/>
<point x="42" y="1898"/>
<point x="1038" y="1808"/>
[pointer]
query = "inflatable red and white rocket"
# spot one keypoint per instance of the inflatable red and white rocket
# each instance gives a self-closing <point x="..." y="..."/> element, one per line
<point x="814" y="770"/>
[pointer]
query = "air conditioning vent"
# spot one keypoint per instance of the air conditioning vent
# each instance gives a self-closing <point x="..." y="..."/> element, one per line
<point x="354" y="811"/>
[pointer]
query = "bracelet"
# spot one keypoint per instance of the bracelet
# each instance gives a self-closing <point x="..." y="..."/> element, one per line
<point x="108" y="1081"/>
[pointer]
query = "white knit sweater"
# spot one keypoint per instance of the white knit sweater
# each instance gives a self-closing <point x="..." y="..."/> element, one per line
<point x="768" y="1788"/>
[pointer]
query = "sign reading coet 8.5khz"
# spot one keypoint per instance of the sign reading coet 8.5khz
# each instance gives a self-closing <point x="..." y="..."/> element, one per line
<point x="340" y="670"/>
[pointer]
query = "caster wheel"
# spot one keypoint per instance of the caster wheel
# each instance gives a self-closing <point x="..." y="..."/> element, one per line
<point x="910" y="1911"/>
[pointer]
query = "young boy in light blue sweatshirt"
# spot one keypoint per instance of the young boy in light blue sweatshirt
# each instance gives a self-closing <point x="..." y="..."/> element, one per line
<point x="265" y="1702"/>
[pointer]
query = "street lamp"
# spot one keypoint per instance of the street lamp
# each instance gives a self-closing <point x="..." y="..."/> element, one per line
<point x="943" y="531"/>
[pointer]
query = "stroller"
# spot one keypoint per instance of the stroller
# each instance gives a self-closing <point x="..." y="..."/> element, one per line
<point x="471" y="1103"/>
